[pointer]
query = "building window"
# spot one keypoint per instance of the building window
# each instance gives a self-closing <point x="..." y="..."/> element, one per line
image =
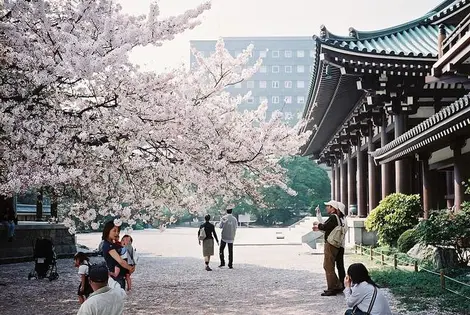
<point x="238" y="85"/>
<point x="262" y="69"/>
<point x="300" y="69"/>
<point x="262" y="54"/>
<point x="300" y="53"/>
<point x="288" y="84"/>
<point x="300" y="100"/>
<point x="250" y="100"/>
<point x="300" y="84"/>
<point x="262" y="84"/>
<point x="275" y="53"/>
<point x="250" y="84"/>
<point x="288" y="69"/>
<point x="288" y="100"/>
<point x="275" y="84"/>
<point x="275" y="99"/>
<point x="263" y="99"/>
<point x="288" y="54"/>
<point x="275" y="69"/>
<point x="312" y="53"/>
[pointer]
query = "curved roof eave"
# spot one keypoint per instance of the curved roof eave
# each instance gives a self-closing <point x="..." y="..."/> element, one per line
<point x="446" y="8"/>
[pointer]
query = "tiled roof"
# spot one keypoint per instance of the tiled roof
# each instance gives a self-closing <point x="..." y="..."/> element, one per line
<point x="417" y="41"/>
<point x="417" y="38"/>
<point x="445" y="8"/>
<point x="422" y="131"/>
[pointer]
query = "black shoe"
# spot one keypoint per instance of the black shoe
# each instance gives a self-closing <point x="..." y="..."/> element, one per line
<point x="10" y="239"/>
<point x="230" y="267"/>
<point x="221" y="265"/>
<point x="208" y="268"/>
<point x="329" y="293"/>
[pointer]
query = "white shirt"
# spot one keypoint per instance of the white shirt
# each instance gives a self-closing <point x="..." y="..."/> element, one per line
<point x="360" y="295"/>
<point x="104" y="301"/>
<point x="83" y="270"/>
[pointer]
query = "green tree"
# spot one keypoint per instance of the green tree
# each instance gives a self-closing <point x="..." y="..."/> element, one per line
<point x="307" y="179"/>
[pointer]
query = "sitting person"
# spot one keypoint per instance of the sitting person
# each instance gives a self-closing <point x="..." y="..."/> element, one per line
<point x="362" y="293"/>
<point x="9" y="220"/>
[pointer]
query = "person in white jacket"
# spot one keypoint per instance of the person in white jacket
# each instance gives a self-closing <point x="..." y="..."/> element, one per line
<point x="228" y="224"/>
<point x="362" y="294"/>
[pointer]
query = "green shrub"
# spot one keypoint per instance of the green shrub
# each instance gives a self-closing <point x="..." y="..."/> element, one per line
<point x="448" y="229"/>
<point x="407" y="240"/>
<point x="394" y="215"/>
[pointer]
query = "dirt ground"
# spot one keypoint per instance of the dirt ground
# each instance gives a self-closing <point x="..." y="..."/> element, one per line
<point x="170" y="279"/>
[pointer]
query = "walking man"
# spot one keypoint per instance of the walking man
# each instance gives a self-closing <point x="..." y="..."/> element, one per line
<point x="228" y="224"/>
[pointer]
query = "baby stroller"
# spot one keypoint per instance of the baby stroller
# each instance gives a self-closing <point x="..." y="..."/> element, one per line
<point x="45" y="265"/>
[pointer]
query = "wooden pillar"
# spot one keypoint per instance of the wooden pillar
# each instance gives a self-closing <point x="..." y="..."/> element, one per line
<point x="338" y="180"/>
<point x="361" y="182"/>
<point x="344" y="182"/>
<point x="459" y="188"/>
<point x="402" y="171"/>
<point x="333" y="181"/>
<point x="424" y="159"/>
<point x="372" y="170"/>
<point x="450" y="189"/>
<point x="351" y="182"/>
<point x="386" y="168"/>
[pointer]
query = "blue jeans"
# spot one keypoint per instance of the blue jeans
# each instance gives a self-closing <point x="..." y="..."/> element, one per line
<point x="356" y="312"/>
<point x="10" y="225"/>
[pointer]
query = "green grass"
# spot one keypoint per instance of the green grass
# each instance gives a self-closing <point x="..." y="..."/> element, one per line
<point x="417" y="289"/>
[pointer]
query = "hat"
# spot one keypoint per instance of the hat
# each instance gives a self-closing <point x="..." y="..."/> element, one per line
<point x="98" y="273"/>
<point x="335" y="204"/>
<point x="341" y="207"/>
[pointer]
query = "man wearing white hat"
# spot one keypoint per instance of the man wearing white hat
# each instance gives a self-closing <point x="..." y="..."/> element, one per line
<point x="331" y="252"/>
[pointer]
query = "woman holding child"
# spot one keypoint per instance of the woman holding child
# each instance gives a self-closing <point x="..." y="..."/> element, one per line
<point x="112" y="251"/>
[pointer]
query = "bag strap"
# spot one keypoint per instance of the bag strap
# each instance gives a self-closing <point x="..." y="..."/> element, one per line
<point x="337" y="219"/>
<point x="374" y="296"/>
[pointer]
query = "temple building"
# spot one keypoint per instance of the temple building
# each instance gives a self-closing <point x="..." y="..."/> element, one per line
<point x="390" y="110"/>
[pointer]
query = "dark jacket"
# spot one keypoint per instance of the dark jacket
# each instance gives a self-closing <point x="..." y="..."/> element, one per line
<point x="209" y="228"/>
<point x="329" y="225"/>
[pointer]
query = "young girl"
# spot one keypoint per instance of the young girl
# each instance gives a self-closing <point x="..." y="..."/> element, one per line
<point x="126" y="241"/>
<point x="82" y="263"/>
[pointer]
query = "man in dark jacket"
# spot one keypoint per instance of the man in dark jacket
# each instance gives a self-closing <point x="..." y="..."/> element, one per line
<point x="330" y="252"/>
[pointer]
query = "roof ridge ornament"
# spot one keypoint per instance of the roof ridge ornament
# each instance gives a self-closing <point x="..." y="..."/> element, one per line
<point x="353" y="33"/>
<point x="324" y="34"/>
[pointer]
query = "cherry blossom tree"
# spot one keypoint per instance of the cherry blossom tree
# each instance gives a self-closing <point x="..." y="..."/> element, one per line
<point x="105" y="137"/>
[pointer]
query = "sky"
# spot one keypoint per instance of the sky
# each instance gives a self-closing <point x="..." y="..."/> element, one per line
<point x="229" y="18"/>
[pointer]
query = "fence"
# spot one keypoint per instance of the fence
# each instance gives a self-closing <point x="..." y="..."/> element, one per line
<point x="394" y="262"/>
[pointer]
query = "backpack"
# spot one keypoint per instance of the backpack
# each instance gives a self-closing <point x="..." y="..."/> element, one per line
<point x="337" y="234"/>
<point x="202" y="233"/>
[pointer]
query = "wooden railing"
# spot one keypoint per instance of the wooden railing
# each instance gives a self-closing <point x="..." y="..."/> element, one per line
<point x="457" y="34"/>
<point x="394" y="262"/>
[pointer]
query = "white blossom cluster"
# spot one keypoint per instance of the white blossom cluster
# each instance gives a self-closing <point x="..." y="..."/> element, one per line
<point x="79" y="119"/>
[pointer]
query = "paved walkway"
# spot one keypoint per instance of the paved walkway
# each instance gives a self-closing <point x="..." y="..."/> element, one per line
<point x="276" y="279"/>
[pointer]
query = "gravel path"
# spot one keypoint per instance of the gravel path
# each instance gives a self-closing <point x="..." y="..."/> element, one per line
<point x="170" y="279"/>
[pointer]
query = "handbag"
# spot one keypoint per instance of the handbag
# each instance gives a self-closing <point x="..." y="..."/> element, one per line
<point x="371" y="305"/>
<point x="336" y="236"/>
